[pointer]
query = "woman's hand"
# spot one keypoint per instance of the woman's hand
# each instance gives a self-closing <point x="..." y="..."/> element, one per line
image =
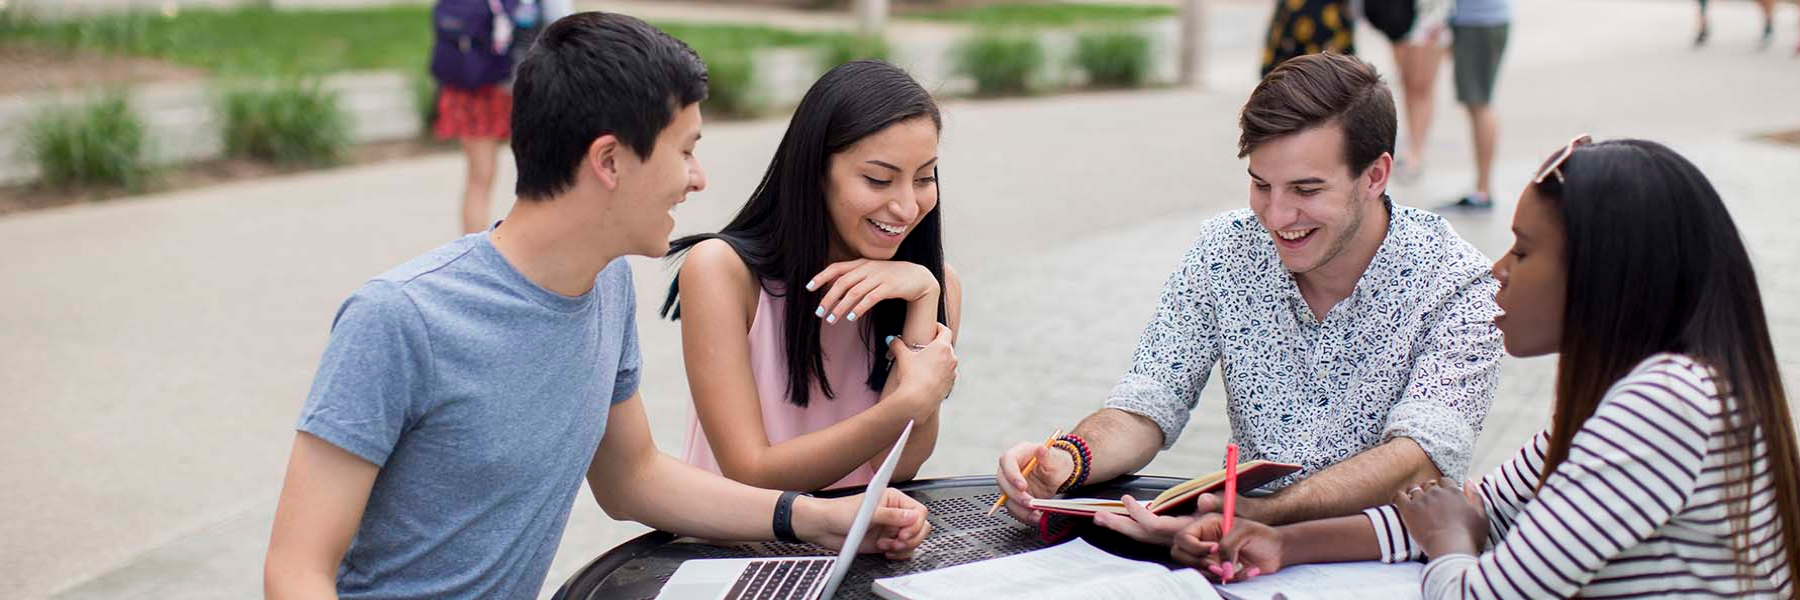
<point x="1444" y="518"/>
<point x="1142" y="525"/>
<point x="1250" y="549"/>
<point x="925" y="375"/>
<point x="853" y="288"/>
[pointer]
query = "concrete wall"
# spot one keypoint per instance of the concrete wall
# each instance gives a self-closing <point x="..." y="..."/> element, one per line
<point x="183" y="123"/>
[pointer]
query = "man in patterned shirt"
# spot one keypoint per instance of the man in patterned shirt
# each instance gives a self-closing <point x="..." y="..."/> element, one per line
<point x="1356" y="337"/>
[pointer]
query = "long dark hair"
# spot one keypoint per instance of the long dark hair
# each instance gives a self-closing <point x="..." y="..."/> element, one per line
<point x="783" y="233"/>
<point x="1655" y="264"/>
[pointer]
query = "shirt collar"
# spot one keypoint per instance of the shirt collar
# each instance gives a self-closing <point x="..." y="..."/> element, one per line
<point x="1379" y="272"/>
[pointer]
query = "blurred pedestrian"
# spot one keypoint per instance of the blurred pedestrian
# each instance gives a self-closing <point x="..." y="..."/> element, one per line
<point x="1768" y="32"/>
<point x="1420" y="35"/>
<point x="1478" y="31"/>
<point x="470" y="59"/>
<point x="1302" y="27"/>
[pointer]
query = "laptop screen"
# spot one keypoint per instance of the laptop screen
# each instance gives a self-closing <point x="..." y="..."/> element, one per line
<point x="871" y="499"/>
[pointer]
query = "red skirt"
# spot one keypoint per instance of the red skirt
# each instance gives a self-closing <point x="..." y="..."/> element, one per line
<point x="478" y="113"/>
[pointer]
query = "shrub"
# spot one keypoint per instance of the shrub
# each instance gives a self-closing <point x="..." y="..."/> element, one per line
<point x="98" y="144"/>
<point x="1113" y="58"/>
<point x="843" y="49"/>
<point x="1001" y="63"/>
<point x="290" y="122"/>
<point x="730" y="82"/>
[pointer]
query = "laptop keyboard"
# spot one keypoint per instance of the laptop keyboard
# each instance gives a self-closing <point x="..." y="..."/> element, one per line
<point x="779" y="579"/>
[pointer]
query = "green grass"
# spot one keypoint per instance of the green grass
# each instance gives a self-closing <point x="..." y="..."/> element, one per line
<point x="266" y="42"/>
<point x="1047" y="15"/>
<point x="249" y="41"/>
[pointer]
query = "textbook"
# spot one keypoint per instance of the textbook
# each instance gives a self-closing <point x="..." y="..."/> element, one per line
<point x="1251" y="475"/>
<point x="1334" y="581"/>
<point x="1071" y="571"/>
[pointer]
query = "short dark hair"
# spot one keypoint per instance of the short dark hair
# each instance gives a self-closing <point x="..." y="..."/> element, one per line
<point x="1318" y="89"/>
<point x="591" y="74"/>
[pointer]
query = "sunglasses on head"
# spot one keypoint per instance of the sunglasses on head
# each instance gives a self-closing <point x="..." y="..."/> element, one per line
<point x="1555" y="166"/>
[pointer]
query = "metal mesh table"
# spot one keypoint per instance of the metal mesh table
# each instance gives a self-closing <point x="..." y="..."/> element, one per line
<point x="961" y="533"/>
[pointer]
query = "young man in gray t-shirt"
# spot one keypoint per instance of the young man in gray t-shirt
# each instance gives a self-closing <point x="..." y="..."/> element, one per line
<point x="465" y="394"/>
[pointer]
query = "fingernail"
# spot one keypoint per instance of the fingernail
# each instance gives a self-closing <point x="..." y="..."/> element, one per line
<point x="889" y="340"/>
<point x="1230" y="570"/>
<point x="831" y="319"/>
<point x="811" y="285"/>
<point x="1216" y="570"/>
<point x="850" y="317"/>
<point x="820" y="312"/>
<point x="1252" y="572"/>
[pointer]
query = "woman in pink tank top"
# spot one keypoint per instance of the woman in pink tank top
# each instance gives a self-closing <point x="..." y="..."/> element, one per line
<point x="821" y="319"/>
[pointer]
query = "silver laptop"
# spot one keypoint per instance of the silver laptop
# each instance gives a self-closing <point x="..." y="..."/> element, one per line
<point x="795" y="578"/>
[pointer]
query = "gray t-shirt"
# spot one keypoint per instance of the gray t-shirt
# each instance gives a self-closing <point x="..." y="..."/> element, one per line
<point x="482" y="397"/>
<point x="1481" y="13"/>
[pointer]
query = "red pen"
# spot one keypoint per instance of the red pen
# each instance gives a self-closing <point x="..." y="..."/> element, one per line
<point x="1231" y="460"/>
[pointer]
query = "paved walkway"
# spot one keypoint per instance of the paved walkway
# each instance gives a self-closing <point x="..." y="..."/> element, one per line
<point x="159" y="348"/>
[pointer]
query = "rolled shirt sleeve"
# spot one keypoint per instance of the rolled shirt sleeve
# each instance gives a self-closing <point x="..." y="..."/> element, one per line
<point x="1175" y="354"/>
<point x="1453" y="379"/>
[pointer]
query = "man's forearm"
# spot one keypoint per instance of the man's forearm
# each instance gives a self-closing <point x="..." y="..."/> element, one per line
<point x="1367" y="479"/>
<point x="1119" y="442"/>
<point x="670" y="495"/>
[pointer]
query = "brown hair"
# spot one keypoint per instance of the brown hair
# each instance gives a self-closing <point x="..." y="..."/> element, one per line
<point x="1320" y="89"/>
<point x="1655" y="264"/>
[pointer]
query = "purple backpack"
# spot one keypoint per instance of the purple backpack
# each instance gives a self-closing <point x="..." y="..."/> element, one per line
<point x="463" y="54"/>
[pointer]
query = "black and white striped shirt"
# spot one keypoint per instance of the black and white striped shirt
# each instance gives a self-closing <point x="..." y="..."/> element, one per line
<point x="1638" y="508"/>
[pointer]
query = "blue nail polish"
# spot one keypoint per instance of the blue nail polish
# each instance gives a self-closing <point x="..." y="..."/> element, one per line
<point x="831" y="319"/>
<point x="811" y="285"/>
<point x="850" y="317"/>
<point x="889" y="340"/>
<point x="820" y="312"/>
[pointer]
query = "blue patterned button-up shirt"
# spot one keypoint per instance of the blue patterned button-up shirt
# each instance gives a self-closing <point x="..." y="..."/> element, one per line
<point x="1413" y="352"/>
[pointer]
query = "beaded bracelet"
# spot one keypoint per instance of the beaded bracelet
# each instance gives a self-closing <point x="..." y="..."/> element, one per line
<point x="1074" y="454"/>
<point x="1087" y="458"/>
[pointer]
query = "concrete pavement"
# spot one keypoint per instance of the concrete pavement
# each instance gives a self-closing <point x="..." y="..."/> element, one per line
<point x="159" y="347"/>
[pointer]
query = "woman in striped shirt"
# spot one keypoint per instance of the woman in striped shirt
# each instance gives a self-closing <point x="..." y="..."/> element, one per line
<point x="1669" y="468"/>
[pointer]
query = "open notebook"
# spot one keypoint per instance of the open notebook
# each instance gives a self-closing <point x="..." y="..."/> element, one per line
<point x="1251" y="475"/>
<point x="1071" y="571"/>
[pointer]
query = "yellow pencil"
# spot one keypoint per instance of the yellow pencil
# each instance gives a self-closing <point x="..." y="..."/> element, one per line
<point x="1029" y="465"/>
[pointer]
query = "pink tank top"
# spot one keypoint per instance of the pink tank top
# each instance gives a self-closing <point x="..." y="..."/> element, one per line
<point x="846" y="366"/>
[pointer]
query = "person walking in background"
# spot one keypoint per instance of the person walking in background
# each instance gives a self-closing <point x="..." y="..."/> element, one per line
<point x="471" y="61"/>
<point x="1302" y="27"/>
<point x="1478" y="30"/>
<point x="1768" y="32"/>
<point x="1419" y="33"/>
